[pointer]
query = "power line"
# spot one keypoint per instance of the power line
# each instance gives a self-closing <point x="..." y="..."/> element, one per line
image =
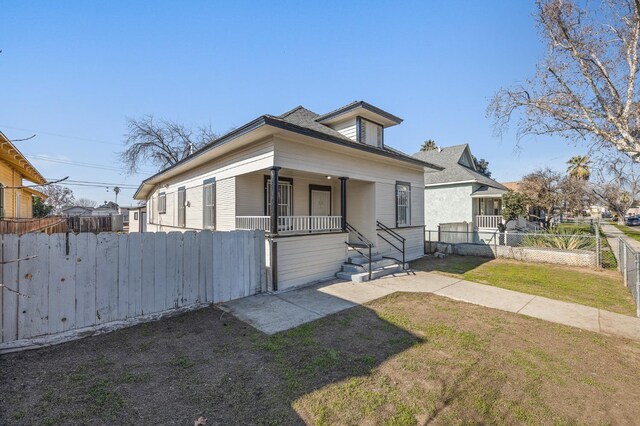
<point x="99" y="186"/>
<point x="103" y="183"/>
<point x="72" y="163"/>
<point x="79" y="163"/>
<point x="61" y="136"/>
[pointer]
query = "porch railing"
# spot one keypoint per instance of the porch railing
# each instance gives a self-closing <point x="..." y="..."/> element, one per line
<point x="487" y="221"/>
<point x="291" y="223"/>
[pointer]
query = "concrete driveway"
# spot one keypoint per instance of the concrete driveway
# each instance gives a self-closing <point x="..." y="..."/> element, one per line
<point x="272" y="313"/>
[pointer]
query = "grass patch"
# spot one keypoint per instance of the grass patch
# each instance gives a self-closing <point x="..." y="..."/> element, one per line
<point x="600" y="289"/>
<point x="629" y="231"/>
<point x="104" y="398"/>
<point x="183" y="361"/>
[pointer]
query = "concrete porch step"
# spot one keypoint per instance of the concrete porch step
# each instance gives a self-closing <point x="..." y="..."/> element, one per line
<point x="360" y="277"/>
<point x="358" y="259"/>
<point x="355" y="267"/>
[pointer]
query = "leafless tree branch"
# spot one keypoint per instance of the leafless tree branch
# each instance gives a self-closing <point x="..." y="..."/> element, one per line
<point x="585" y="88"/>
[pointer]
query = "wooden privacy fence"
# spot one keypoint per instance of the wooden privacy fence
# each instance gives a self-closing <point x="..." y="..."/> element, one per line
<point x="95" y="224"/>
<point x="49" y="225"/>
<point x="66" y="286"/>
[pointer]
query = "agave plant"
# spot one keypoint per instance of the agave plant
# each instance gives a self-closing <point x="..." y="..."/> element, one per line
<point x="565" y="242"/>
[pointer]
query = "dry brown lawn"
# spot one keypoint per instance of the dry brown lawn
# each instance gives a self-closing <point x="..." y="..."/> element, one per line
<point x="405" y="359"/>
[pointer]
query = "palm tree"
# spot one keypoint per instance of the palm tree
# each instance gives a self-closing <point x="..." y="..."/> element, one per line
<point x="116" y="190"/>
<point x="579" y="167"/>
<point x="428" y="145"/>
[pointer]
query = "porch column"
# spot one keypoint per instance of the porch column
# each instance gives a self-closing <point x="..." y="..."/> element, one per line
<point x="274" y="200"/>
<point x="343" y="202"/>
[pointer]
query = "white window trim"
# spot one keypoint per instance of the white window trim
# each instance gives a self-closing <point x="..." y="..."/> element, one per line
<point x="407" y="206"/>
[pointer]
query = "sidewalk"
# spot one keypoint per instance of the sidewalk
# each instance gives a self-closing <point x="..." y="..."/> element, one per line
<point x="612" y="234"/>
<point x="271" y="313"/>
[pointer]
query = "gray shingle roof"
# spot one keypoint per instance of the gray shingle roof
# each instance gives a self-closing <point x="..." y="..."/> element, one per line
<point x="488" y="191"/>
<point x="300" y="116"/>
<point x="449" y="159"/>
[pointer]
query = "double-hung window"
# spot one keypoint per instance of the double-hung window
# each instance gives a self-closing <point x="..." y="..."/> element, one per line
<point x="209" y="203"/>
<point x="403" y="204"/>
<point x="285" y="197"/>
<point x="182" y="207"/>
<point x="162" y="203"/>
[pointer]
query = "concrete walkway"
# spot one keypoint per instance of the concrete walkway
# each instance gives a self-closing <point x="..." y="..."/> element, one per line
<point x="271" y="313"/>
<point x="612" y="234"/>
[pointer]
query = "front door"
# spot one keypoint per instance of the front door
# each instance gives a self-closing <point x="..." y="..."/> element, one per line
<point x="320" y="200"/>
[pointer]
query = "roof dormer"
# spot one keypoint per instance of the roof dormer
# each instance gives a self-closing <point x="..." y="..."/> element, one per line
<point x="361" y="122"/>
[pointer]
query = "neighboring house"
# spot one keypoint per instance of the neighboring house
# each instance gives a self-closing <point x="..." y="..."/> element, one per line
<point x="137" y="219"/>
<point x="458" y="192"/>
<point x="124" y="211"/>
<point x="106" y="209"/>
<point x="332" y="176"/>
<point x="71" y="211"/>
<point x="17" y="174"/>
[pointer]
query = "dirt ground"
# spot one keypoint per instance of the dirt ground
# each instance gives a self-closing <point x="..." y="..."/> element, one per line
<point x="404" y="359"/>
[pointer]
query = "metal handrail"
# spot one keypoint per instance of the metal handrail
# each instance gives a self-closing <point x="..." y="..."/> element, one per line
<point x="364" y="240"/>
<point x="395" y="235"/>
<point x="390" y="231"/>
<point x="358" y="235"/>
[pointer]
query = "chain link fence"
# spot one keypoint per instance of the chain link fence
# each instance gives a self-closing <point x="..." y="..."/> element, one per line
<point x="584" y="246"/>
<point x="629" y="266"/>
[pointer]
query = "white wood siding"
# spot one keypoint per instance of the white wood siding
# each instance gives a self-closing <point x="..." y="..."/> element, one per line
<point x="250" y="194"/>
<point x="306" y="259"/>
<point x="343" y="161"/>
<point x="256" y="157"/>
<point x="386" y="204"/>
<point x="226" y="204"/>
<point x="414" y="244"/>
<point x="347" y="128"/>
<point x="134" y="224"/>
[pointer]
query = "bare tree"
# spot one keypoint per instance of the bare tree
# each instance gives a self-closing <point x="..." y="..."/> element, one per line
<point x="160" y="142"/>
<point x="585" y="87"/>
<point x="85" y="202"/>
<point x="58" y="196"/>
<point x="576" y="196"/>
<point x="617" y="183"/>
<point x="543" y="188"/>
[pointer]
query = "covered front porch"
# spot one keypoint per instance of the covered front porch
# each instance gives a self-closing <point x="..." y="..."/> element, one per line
<point x="487" y="207"/>
<point x="307" y="203"/>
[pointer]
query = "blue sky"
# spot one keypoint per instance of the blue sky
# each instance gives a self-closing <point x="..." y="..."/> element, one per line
<point x="73" y="71"/>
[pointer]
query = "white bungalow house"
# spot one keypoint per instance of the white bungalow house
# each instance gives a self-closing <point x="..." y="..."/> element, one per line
<point x="344" y="197"/>
<point x="458" y="192"/>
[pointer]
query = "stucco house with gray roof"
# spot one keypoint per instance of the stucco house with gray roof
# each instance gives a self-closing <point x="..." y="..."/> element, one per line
<point x="458" y="192"/>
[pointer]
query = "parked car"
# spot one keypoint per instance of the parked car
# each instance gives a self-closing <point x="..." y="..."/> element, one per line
<point x="633" y="221"/>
